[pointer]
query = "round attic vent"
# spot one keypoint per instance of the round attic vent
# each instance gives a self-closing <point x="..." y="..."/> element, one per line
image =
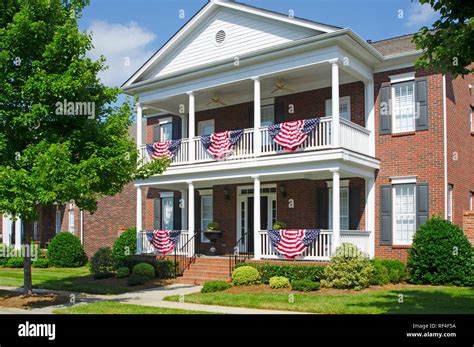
<point x="220" y="37"/>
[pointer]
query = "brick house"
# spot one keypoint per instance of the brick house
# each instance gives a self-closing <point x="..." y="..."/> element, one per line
<point x="394" y="145"/>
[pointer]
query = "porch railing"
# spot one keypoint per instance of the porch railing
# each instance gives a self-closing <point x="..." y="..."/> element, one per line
<point x="146" y="248"/>
<point x="354" y="137"/>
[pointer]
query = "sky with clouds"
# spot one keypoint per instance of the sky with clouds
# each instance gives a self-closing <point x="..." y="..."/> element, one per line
<point x="128" y="32"/>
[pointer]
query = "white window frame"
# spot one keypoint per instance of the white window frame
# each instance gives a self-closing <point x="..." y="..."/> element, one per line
<point x="166" y="197"/>
<point x="162" y="122"/>
<point x="71" y="226"/>
<point x="471" y="201"/>
<point x="344" y="222"/>
<point x="408" y="80"/>
<point x="344" y="100"/>
<point x="395" y="241"/>
<point x="58" y="221"/>
<point x="263" y="107"/>
<point x="204" y="123"/>
<point x="35" y="231"/>
<point x="204" y="239"/>
<point x="471" y="121"/>
<point x="450" y="202"/>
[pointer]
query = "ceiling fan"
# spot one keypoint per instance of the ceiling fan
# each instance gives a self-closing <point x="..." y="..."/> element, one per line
<point x="216" y="100"/>
<point x="281" y="85"/>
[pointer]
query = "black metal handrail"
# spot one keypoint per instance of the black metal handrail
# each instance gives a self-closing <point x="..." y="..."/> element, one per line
<point x="238" y="256"/>
<point x="183" y="261"/>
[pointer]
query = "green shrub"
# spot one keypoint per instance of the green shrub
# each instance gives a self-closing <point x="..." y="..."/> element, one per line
<point x="164" y="269"/>
<point x="305" y="285"/>
<point x="380" y="274"/>
<point x="15" y="262"/>
<point x="124" y="247"/>
<point x="101" y="264"/>
<point x="293" y="272"/>
<point x="145" y="270"/>
<point x="65" y="250"/>
<point x="41" y="263"/>
<point x="136" y="280"/>
<point x="441" y="255"/>
<point x="123" y="272"/>
<point x="215" y="286"/>
<point x="278" y="282"/>
<point x="245" y="275"/>
<point x="397" y="271"/>
<point x="349" y="268"/>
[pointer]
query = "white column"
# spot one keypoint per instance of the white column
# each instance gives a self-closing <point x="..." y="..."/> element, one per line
<point x="18" y="227"/>
<point x="139" y="126"/>
<point x="192" y="126"/>
<point x="139" y="222"/>
<point x="257" y="140"/>
<point x="370" y="213"/>
<point x="369" y="114"/>
<point x="190" y="216"/>
<point x="335" y="104"/>
<point x="256" y="217"/>
<point x="336" y="232"/>
<point x="184" y="209"/>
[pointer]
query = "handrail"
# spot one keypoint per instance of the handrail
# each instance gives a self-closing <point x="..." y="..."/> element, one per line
<point x="238" y="257"/>
<point x="182" y="260"/>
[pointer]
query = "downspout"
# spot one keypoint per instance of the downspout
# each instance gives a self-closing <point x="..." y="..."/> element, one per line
<point x="445" y="145"/>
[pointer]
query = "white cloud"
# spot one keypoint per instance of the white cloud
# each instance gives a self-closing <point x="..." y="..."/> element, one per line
<point x="124" y="47"/>
<point x="419" y="15"/>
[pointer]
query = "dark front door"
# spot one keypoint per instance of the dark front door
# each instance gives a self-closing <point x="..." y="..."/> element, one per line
<point x="263" y="219"/>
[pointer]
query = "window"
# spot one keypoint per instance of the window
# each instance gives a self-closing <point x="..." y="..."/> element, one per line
<point x="71" y="218"/>
<point x="344" y="107"/>
<point x="344" y="208"/>
<point x="35" y="231"/>
<point x="471" y="201"/>
<point x="403" y="106"/>
<point x="206" y="127"/>
<point x="58" y="221"/>
<point x="267" y="115"/>
<point x="167" y="213"/>
<point x="206" y="214"/>
<point x="450" y="202"/>
<point x="404" y="218"/>
<point x="471" y="121"/>
<point x="163" y="131"/>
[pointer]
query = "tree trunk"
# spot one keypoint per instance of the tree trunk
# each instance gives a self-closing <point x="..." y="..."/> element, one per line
<point x="28" y="283"/>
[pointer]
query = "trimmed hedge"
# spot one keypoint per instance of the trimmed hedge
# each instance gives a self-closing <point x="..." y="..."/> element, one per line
<point x="42" y="263"/>
<point x="215" y="286"/>
<point x="279" y="282"/>
<point x="124" y="247"/>
<point x="245" y="275"/>
<point x="145" y="270"/>
<point x="441" y="255"/>
<point x="164" y="269"/>
<point x="102" y="264"/>
<point x="123" y="272"/>
<point x="312" y="272"/>
<point x="15" y="262"/>
<point x="65" y="250"/>
<point x="305" y="285"/>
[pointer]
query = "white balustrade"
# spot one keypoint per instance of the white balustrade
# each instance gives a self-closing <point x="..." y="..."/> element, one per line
<point x="145" y="247"/>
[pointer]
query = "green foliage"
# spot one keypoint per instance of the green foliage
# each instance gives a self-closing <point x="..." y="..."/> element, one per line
<point x="397" y="271"/>
<point x="145" y="270"/>
<point x="136" y="280"/>
<point x="349" y="268"/>
<point x="101" y="264"/>
<point x="213" y="226"/>
<point x="41" y="263"/>
<point x="245" y="275"/>
<point x="164" y="269"/>
<point x="441" y="255"/>
<point x="380" y="274"/>
<point x="278" y="282"/>
<point x="124" y="247"/>
<point x="291" y="271"/>
<point x="278" y="225"/>
<point x="123" y="272"/>
<point x="215" y="286"/>
<point x="14" y="262"/>
<point x="305" y="285"/>
<point x="447" y="45"/>
<point x="65" y="250"/>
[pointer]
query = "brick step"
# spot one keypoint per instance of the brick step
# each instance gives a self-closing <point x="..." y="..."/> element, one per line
<point x="207" y="262"/>
<point x="206" y="278"/>
<point x="209" y="267"/>
<point x="205" y="273"/>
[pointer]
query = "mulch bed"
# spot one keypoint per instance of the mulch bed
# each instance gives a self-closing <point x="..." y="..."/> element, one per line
<point x="36" y="300"/>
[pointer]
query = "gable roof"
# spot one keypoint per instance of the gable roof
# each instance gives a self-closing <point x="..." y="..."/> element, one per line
<point x="395" y="45"/>
<point x="187" y="29"/>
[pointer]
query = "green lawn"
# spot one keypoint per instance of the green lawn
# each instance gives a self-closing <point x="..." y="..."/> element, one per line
<point x="414" y="301"/>
<point x="67" y="279"/>
<point x="111" y="307"/>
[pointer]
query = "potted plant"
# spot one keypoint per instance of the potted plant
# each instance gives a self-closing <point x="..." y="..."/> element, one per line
<point x="213" y="233"/>
<point x="279" y="225"/>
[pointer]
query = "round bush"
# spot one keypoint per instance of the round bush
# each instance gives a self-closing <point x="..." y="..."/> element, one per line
<point x="41" y="263"/>
<point x="123" y="272"/>
<point x="136" y="280"/>
<point x="441" y="255"/>
<point x="15" y="262"/>
<point x="215" y="286"/>
<point x="65" y="250"/>
<point x="380" y="274"/>
<point x="305" y="285"/>
<point x="145" y="270"/>
<point x="101" y="264"/>
<point x="124" y="247"/>
<point x="245" y="275"/>
<point x="397" y="271"/>
<point x="278" y="282"/>
<point x="349" y="268"/>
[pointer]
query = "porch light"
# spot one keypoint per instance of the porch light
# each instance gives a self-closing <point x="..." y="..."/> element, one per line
<point x="283" y="190"/>
<point x="227" y="193"/>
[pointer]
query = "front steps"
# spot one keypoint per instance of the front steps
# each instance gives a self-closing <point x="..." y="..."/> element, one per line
<point x="206" y="269"/>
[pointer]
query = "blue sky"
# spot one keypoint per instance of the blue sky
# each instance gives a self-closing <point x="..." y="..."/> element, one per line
<point x="128" y="32"/>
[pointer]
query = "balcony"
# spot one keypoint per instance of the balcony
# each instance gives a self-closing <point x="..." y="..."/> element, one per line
<point x="353" y="137"/>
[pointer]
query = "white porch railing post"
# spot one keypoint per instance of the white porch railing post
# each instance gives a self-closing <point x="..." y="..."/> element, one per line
<point x="139" y="221"/>
<point x="369" y="115"/>
<point x="139" y="126"/>
<point x="335" y="103"/>
<point x="370" y="213"/>
<point x="336" y="232"/>
<point x="256" y="217"/>
<point x="191" y="127"/>
<point x="257" y="137"/>
<point x="190" y="217"/>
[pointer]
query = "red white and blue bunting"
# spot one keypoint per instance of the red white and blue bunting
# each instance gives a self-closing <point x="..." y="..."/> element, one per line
<point x="163" y="240"/>
<point x="163" y="149"/>
<point x="219" y="145"/>
<point x="292" y="243"/>
<point x="290" y="135"/>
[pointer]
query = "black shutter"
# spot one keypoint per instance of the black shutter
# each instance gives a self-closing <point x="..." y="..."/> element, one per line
<point x="421" y="94"/>
<point x="156" y="133"/>
<point x="279" y="111"/>
<point x="385" y="110"/>
<point x="354" y="207"/>
<point x="422" y="203"/>
<point x="176" y="212"/>
<point x="322" y="194"/>
<point x="157" y="214"/>
<point x="386" y="215"/>
<point x="176" y="128"/>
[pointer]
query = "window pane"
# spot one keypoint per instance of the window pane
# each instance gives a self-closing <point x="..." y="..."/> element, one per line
<point x="166" y="131"/>
<point x="267" y="115"/>
<point x="405" y="213"/>
<point x="167" y="213"/>
<point x="404" y="106"/>
<point x="206" y="214"/>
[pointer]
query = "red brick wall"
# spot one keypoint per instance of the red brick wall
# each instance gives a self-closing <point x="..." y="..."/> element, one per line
<point x="468" y="225"/>
<point x="227" y="118"/>
<point x="460" y="143"/>
<point x="416" y="154"/>
<point x="298" y="208"/>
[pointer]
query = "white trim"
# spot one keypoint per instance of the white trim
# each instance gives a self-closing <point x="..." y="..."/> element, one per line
<point x="404" y="77"/>
<point x="267" y="102"/>
<point x="203" y="123"/>
<point x="395" y="130"/>
<point x="342" y="183"/>
<point x="204" y="239"/>
<point x="205" y="191"/>
<point x="450" y="202"/>
<point x="165" y="120"/>
<point x="403" y="179"/>
<point x="445" y="149"/>
<point x="394" y="220"/>
<point x="342" y="100"/>
<point x="166" y="195"/>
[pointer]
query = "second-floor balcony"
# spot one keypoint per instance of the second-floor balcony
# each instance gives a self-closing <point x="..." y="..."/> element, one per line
<point x="353" y="137"/>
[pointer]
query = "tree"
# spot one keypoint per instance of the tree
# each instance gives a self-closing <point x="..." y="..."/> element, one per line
<point x="61" y="137"/>
<point x="448" y="45"/>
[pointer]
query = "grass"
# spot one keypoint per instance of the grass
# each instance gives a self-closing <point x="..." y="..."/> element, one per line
<point x="421" y="300"/>
<point x="111" y="307"/>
